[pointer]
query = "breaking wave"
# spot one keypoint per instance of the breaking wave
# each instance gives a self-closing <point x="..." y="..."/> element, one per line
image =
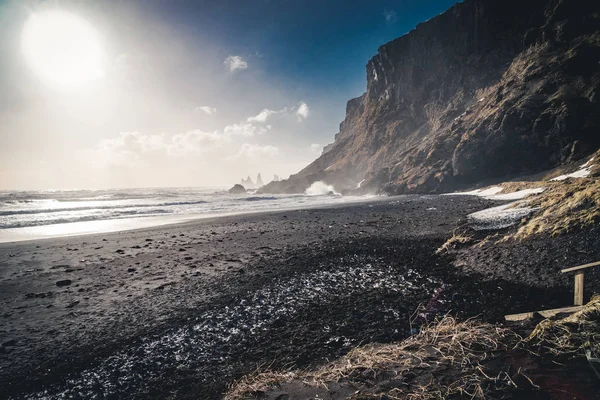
<point x="320" y="188"/>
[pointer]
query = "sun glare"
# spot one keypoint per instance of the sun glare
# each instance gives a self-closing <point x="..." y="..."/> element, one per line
<point x="62" y="48"/>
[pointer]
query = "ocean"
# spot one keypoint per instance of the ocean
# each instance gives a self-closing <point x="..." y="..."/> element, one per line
<point x="48" y="213"/>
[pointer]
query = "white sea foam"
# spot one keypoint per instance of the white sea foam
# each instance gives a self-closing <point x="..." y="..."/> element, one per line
<point x="42" y="214"/>
<point x="320" y="188"/>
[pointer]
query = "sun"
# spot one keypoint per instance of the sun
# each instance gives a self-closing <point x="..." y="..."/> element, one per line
<point x="62" y="49"/>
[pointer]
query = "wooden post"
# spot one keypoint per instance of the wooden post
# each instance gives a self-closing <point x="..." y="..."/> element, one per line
<point x="579" y="288"/>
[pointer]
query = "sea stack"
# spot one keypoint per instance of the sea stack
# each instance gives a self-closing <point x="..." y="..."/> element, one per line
<point x="259" y="181"/>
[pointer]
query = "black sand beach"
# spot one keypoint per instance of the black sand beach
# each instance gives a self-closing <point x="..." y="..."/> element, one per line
<point x="180" y="311"/>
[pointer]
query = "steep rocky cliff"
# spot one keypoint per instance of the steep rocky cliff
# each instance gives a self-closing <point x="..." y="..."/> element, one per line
<point x="489" y="89"/>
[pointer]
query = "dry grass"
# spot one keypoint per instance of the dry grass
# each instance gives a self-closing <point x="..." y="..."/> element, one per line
<point x="441" y="346"/>
<point x="563" y="207"/>
<point x="258" y="382"/>
<point x="434" y="114"/>
<point x="511" y="187"/>
<point x="445" y="360"/>
<point x="573" y="336"/>
<point x="447" y="354"/>
<point x="458" y="238"/>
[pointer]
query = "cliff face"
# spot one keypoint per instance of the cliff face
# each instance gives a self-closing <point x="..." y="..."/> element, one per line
<point x="488" y="89"/>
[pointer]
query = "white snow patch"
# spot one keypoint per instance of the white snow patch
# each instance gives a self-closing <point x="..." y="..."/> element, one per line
<point x="499" y="217"/>
<point x="478" y="192"/>
<point x="320" y="188"/>
<point x="360" y="184"/>
<point x="521" y="194"/>
<point x="492" y="193"/>
<point x="327" y="169"/>
<point x="583" y="171"/>
<point x="588" y="163"/>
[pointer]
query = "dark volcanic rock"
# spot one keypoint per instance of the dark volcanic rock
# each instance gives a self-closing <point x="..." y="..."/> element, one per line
<point x="64" y="282"/>
<point x="478" y="92"/>
<point x="237" y="189"/>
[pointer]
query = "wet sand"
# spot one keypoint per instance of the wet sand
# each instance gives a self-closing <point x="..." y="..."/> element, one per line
<point x="182" y="310"/>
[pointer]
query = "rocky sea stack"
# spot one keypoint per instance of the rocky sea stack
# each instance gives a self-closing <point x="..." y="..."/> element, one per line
<point x="490" y="89"/>
<point x="237" y="189"/>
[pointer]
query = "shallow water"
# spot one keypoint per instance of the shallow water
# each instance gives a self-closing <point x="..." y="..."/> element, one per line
<point x="30" y="215"/>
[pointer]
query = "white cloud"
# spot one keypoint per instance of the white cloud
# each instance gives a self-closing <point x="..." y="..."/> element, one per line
<point x="257" y="151"/>
<point x="234" y="63"/>
<point x="262" y="116"/>
<point x="195" y="141"/>
<point x="390" y="16"/>
<point x="302" y="111"/>
<point x="133" y="148"/>
<point x="316" y="148"/>
<point x="206" y="109"/>
<point x="245" y="129"/>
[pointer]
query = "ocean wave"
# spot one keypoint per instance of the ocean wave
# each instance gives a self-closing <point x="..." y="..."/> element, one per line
<point x="259" y="198"/>
<point x="83" y="218"/>
<point x="97" y="207"/>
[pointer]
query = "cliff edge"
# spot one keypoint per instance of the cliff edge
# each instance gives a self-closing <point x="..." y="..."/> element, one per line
<point x="490" y="89"/>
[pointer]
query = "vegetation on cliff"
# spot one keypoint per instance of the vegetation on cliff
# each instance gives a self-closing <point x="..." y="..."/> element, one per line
<point x="478" y="92"/>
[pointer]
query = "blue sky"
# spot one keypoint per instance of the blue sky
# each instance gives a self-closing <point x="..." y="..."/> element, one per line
<point x="316" y="45"/>
<point x="192" y="93"/>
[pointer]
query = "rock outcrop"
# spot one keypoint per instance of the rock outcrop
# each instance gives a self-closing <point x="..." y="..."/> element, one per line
<point x="249" y="184"/>
<point x="259" y="181"/>
<point x="489" y="89"/>
<point x="237" y="189"/>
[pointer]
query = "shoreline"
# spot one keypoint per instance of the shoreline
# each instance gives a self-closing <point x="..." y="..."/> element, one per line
<point x="71" y="229"/>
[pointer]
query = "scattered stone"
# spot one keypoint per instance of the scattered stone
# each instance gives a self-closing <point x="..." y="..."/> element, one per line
<point x="130" y="269"/>
<point x="72" y="304"/>
<point x="120" y="251"/>
<point x="38" y="295"/>
<point x="9" y="343"/>
<point x="188" y="258"/>
<point x="64" y="282"/>
<point x="182" y="249"/>
<point x="164" y="285"/>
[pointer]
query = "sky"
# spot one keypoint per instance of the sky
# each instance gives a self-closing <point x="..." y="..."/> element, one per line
<point x="156" y="93"/>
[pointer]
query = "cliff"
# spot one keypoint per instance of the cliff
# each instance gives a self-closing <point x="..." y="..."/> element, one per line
<point x="487" y="90"/>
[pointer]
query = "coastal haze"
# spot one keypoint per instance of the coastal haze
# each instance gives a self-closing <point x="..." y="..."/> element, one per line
<point x="278" y="200"/>
<point x="27" y="215"/>
<point x="179" y="93"/>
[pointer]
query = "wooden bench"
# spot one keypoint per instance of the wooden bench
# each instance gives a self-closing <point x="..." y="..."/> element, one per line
<point x="579" y="280"/>
<point x="578" y="295"/>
